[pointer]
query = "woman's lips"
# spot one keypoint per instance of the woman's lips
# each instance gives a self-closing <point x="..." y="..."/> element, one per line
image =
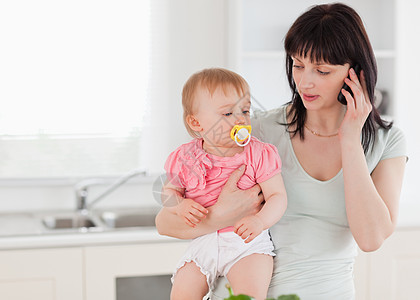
<point x="309" y="97"/>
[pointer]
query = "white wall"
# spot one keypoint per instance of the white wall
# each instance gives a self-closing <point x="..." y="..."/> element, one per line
<point x="407" y="106"/>
<point x="197" y="40"/>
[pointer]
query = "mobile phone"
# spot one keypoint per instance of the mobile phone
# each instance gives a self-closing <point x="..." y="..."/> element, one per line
<point x="341" y="97"/>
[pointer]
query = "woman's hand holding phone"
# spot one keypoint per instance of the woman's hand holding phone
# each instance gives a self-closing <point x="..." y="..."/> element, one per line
<point x="341" y="98"/>
<point x="358" y="107"/>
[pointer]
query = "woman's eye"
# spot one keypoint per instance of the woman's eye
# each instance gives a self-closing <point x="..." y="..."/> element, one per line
<point x="323" y="73"/>
<point x="297" y="67"/>
<point x="246" y="112"/>
<point x="228" y="114"/>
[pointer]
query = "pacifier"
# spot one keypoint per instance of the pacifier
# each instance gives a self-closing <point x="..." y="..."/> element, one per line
<point x="241" y="133"/>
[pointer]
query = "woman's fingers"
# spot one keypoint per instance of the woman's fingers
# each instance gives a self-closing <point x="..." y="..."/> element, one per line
<point x="355" y="88"/>
<point x="351" y="105"/>
<point x="255" y="190"/>
<point x="255" y="193"/>
<point x="237" y="203"/>
<point x="234" y="178"/>
<point x="364" y="88"/>
<point x="260" y="198"/>
<point x="363" y="82"/>
<point x="358" y="87"/>
<point x="358" y="105"/>
<point x="354" y="78"/>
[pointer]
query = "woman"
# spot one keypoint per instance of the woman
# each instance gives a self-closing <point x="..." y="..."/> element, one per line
<point x="342" y="165"/>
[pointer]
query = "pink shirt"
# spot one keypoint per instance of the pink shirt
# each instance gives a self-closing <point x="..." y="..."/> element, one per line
<point x="203" y="175"/>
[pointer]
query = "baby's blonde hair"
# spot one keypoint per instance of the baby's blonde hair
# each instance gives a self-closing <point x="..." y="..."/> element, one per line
<point x="210" y="79"/>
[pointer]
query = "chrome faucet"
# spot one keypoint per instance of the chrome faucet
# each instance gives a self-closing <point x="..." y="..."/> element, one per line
<point x="81" y="189"/>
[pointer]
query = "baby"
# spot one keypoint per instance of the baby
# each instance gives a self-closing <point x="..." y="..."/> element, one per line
<point x="217" y="106"/>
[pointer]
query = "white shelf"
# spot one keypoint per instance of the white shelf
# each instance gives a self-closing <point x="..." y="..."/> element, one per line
<point x="384" y="53"/>
<point x="276" y="54"/>
<point x="258" y="44"/>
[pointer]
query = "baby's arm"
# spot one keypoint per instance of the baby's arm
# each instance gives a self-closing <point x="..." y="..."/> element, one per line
<point x="190" y="211"/>
<point x="275" y="205"/>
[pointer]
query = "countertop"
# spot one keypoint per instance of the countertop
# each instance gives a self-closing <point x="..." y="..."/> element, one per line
<point x="26" y="231"/>
<point x="32" y="234"/>
<point x="82" y="239"/>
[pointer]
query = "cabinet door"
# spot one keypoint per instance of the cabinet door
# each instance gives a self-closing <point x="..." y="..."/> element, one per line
<point x="104" y="265"/>
<point x="395" y="268"/>
<point x="47" y="274"/>
<point x="361" y="275"/>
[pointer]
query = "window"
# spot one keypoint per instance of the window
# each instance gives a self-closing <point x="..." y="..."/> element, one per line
<point x="74" y="86"/>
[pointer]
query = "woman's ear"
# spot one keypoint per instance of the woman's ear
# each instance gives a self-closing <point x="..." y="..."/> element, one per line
<point x="193" y="123"/>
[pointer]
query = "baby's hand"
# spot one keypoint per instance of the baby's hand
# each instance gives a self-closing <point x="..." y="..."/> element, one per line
<point x="249" y="227"/>
<point x="191" y="212"/>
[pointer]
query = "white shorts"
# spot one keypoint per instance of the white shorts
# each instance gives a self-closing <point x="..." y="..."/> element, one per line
<point x="216" y="253"/>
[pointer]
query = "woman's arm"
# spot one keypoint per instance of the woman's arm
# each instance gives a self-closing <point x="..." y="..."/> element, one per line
<point x="232" y="205"/>
<point x="371" y="199"/>
<point x="170" y="224"/>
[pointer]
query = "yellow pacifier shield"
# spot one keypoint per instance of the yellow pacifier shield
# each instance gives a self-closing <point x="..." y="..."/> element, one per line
<point x="240" y="133"/>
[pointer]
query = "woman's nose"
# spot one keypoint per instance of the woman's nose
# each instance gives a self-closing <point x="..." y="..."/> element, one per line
<point x="305" y="81"/>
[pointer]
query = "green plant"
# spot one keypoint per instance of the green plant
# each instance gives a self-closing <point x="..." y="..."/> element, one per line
<point x="245" y="297"/>
<point x="286" y="297"/>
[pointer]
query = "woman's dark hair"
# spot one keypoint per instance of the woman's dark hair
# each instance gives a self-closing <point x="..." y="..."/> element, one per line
<point x="334" y="34"/>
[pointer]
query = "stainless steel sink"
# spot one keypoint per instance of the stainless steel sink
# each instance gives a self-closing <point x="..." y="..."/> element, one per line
<point x="72" y="221"/>
<point x="99" y="220"/>
<point x="120" y="220"/>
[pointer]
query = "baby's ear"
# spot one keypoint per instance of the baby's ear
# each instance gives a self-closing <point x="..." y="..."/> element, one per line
<point x="193" y="123"/>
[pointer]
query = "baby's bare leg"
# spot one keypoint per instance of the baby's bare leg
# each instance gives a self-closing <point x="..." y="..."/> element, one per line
<point x="251" y="275"/>
<point x="189" y="283"/>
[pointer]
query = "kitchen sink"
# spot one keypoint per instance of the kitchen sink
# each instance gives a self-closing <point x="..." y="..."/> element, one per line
<point x="99" y="220"/>
<point x="122" y="219"/>
<point x="59" y="222"/>
<point x="72" y="221"/>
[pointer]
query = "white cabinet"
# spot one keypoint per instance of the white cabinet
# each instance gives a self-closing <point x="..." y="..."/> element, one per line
<point x="395" y="268"/>
<point x="256" y="36"/>
<point x="361" y="275"/>
<point x="104" y="265"/>
<point x="47" y="274"/>
<point x="91" y="273"/>
<point x="392" y="272"/>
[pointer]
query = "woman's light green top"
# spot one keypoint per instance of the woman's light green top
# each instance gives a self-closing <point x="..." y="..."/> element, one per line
<point x="314" y="247"/>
